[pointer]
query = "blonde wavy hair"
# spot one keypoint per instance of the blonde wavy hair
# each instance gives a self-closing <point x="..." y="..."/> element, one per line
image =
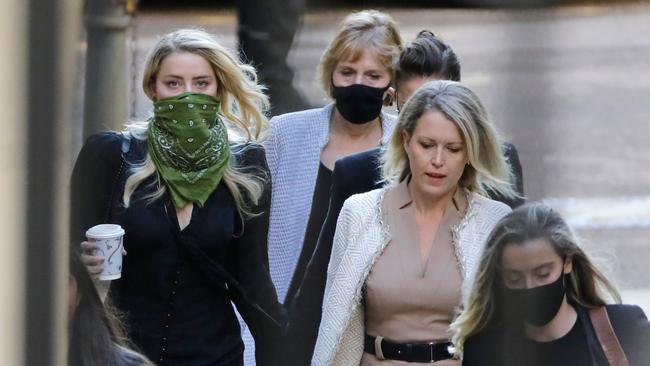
<point x="487" y="167"/>
<point x="587" y="285"/>
<point x="243" y="107"/>
<point x="364" y="30"/>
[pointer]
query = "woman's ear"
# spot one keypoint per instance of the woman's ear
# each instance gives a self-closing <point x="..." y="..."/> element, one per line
<point x="389" y="96"/>
<point x="405" y="141"/>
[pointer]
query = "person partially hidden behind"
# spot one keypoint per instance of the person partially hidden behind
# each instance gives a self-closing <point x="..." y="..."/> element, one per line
<point x="425" y="59"/>
<point x="537" y="299"/>
<point x="96" y="333"/>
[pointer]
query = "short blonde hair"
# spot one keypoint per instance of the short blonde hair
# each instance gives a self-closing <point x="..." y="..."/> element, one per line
<point x="487" y="167"/>
<point x="368" y="29"/>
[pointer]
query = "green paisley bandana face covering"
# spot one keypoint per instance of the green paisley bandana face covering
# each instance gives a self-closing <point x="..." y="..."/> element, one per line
<point x="188" y="142"/>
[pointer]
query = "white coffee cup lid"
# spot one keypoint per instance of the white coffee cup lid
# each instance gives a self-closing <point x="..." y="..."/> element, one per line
<point x="105" y="231"/>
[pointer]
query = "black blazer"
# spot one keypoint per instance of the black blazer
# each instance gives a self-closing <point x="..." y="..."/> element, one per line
<point x="495" y="347"/>
<point x="177" y="285"/>
<point x="357" y="173"/>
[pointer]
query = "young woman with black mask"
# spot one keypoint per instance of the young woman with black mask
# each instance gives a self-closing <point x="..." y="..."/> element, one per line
<point x="538" y="300"/>
<point x="356" y="70"/>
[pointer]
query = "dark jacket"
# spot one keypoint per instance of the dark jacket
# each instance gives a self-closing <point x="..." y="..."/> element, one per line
<point x="497" y="347"/>
<point x="357" y="173"/>
<point x="512" y="157"/>
<point x="177" y="285"/>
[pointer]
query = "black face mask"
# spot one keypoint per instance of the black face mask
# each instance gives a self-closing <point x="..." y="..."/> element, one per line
<point x="358" y="103"/>
<point x="537" y="305"/>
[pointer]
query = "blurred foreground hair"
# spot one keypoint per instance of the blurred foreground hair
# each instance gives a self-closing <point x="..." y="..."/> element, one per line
<point x="96" y="334"/>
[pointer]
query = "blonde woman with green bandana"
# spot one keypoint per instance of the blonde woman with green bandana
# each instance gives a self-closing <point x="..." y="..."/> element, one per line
<point x="190" y="187"/>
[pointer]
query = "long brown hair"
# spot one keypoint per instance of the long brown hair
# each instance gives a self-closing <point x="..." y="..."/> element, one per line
<point x="587" y="287"/>
<point x="96" y="333"/>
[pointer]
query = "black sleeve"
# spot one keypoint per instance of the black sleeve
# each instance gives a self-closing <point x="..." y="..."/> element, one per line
<point x="512" y="158"/>
<point x="251" y="270"/>
<point x="351" y="175"/>
<point x="474" y="351"/>
<point x="470" y="352"/>
<point x="356" y="173"/>
<point x="305" y="307"/>
<point x="633" y="331"/>
<point x="486" y="349"/>
<point x="93" y="180"/>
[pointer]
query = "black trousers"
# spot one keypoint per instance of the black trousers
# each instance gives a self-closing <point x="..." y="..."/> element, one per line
<point x="266" y="32"/>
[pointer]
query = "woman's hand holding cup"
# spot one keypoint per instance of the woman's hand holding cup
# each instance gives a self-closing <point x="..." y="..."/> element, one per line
<point x="94" y="263"/>
<point x="102" y="252"/>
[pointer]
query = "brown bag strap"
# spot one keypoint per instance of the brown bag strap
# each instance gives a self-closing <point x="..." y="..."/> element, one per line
<point x="607" y="338"/>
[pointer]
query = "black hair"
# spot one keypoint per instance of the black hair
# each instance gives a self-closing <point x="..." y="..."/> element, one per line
<point x="427" y="56"/>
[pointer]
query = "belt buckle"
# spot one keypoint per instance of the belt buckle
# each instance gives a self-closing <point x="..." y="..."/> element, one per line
<point x="379" y="352"/>
<point x="431" y="360"/>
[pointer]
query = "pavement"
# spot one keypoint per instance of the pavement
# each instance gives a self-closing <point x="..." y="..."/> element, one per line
<point x="569" y="86"/>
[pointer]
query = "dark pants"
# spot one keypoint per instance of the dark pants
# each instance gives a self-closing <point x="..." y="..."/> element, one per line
<point x="266" y="32"/>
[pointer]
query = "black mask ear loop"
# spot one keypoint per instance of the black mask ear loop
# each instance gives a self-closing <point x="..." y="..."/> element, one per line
<point x="396" y="101"/>
<point x="566" y="277"/>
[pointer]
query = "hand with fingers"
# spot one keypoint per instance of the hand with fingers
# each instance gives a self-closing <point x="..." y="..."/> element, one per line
<point x="92" y="258"/>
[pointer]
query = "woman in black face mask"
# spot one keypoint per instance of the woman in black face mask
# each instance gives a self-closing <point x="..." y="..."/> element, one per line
<point x="357" y="72"/>
<point x="538" y="300"/>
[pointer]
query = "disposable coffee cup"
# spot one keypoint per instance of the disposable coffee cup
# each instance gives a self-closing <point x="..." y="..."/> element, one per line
<point x="109" y="245"/>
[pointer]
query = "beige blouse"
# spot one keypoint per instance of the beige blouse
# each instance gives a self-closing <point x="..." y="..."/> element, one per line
<point x="408" y="299"/>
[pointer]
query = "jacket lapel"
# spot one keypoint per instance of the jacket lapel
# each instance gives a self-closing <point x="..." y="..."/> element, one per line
<point x="350" y="276"/>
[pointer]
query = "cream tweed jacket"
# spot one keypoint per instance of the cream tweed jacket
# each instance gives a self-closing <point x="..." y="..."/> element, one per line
<point x="360" y="238"/>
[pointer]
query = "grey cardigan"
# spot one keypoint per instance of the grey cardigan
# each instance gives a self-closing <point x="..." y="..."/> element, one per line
<point x="293" y="151"/>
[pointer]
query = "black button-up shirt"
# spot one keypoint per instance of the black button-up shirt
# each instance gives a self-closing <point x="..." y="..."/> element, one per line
<point x="174" y="291"/>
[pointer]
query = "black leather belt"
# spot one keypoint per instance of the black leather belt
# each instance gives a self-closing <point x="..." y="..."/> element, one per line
<point x="409" y="352"/>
